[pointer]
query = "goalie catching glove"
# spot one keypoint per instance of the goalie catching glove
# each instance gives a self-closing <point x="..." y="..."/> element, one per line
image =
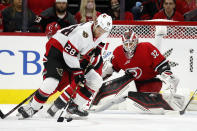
<point x="170" y="79"/>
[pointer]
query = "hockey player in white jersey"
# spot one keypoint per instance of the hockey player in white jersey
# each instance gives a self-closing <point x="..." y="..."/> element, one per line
<point x="63" y="55"/>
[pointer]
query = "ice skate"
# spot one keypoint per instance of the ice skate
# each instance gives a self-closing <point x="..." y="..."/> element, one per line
<point x="74" y="109"/>
<point x="26" y="112"/>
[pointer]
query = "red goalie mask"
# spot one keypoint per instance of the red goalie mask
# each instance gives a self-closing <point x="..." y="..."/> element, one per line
<point x="130" y="41"/>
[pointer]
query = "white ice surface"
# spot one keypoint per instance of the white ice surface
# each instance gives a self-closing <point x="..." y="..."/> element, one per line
<point x="105" y="121"/>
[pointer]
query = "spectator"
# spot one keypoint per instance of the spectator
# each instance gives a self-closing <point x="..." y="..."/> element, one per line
<point x="150" y="7"/>
<point x="192" y="4"/>
<point x="87" y="11"/>
<point x="169" y="12"/>
<point x="58" y="13"/>
<point x="137" y="11"/>
<point x="114" y="11"/>
<point x="3" y="5"/>
<point x="191" y="15"/>
<point x="37" y="6"/>
<point x="182" y="6"/>
<point x="13" y="17"/>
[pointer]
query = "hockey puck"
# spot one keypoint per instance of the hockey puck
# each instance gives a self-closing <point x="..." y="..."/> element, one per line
<point x="60" y="119"/>
<point x="1" y="114"/>
<point x="69" y="119"/>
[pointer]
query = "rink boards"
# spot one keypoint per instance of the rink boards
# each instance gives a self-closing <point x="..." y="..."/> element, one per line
<point x="21" y="64"/>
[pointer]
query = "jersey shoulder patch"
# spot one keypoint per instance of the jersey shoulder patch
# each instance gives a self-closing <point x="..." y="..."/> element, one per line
<point x="85" y="34"/>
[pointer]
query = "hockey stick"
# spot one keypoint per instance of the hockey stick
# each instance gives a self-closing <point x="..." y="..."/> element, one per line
<point x="60" y="118"/>
<point x="2" y="115"/>
<point x="183" y="111"/>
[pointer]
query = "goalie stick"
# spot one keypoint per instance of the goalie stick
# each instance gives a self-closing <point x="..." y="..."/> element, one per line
<point x="2" y="115"/>
<point x="183" y="111"/>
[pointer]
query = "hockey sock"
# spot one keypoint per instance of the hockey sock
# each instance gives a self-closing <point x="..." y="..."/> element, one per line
<point x="39" y="99"/>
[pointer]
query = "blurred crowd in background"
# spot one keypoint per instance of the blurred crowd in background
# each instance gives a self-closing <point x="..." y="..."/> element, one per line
<point x="51" y="15"/>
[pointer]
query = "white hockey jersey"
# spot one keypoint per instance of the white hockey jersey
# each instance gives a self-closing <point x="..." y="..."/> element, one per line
<point x="76" y="40"/>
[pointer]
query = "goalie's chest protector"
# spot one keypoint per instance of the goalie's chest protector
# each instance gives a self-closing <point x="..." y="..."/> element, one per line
<point x="146" y="58"/>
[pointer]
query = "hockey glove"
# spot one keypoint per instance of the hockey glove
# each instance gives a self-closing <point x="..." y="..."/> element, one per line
<point x="79" y="77"/>
<point x="84" y="65"/>
<point x="97" y="50"/>
<point x="170" y="79"/>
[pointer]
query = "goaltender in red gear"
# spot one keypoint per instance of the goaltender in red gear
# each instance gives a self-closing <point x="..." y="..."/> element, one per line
<point x="143" y="61"/>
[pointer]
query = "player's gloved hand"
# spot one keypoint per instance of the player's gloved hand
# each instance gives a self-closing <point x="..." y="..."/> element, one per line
<point x="85" y="65"/>
<point x="97" y="50"/>
<point x="79" y="77"/>
<point x="170" y="79"/>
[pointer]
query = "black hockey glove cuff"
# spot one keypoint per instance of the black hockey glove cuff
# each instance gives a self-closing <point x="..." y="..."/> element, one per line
<point x="84" y="63"/>
<point x="97" y="50"/>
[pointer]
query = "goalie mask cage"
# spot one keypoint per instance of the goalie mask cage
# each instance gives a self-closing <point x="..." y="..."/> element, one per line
<point x="147" y="29"/>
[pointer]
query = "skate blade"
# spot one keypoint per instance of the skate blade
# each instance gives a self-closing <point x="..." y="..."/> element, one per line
<point x="20" y="117"/>
<point x="69" y="116"/>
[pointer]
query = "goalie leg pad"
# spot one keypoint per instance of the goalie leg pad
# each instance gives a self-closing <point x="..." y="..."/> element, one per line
<point x="149" y="100"/>
<point x="112" y="87"/>
<point x="176" y="101"/>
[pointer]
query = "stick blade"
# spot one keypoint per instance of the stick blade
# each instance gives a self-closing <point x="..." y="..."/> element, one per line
<point x="2" y="115"/>
<point x="182" y="112"/>
<point x="60" y="119"/>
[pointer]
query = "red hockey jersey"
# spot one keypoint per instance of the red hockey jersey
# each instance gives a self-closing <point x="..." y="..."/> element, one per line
<point x="145" y="62"/>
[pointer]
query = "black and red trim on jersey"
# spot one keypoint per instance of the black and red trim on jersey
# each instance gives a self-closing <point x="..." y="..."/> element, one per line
<point x="163" y="66"/>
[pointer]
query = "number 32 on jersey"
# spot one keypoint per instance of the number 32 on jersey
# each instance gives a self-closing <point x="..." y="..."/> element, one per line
<point x="154" y="54"/>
